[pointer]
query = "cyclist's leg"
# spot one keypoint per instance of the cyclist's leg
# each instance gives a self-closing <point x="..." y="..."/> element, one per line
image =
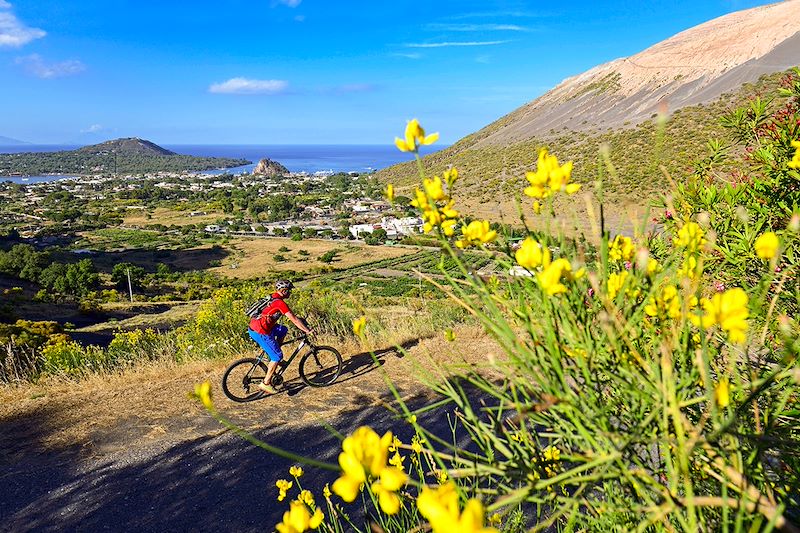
<point x="270" y="346"/>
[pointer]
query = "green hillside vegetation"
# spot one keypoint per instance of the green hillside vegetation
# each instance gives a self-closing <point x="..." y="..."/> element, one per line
<point x="119" y="158"/>
<point x="491" y="175"/>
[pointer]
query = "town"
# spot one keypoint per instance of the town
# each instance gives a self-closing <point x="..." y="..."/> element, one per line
<point x="321" y="205"/>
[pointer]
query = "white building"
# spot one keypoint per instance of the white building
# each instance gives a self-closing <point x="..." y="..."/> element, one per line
<point x="402" y="226"/>
<point x="357" y="230"/>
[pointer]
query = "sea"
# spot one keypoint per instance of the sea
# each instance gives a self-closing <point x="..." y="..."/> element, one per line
<point x="310" y="158"/>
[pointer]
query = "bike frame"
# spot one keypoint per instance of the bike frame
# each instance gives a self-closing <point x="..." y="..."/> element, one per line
<point x="286" y="361"/>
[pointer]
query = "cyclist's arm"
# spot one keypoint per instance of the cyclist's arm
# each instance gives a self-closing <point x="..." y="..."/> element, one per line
<point x="298" y="322"/>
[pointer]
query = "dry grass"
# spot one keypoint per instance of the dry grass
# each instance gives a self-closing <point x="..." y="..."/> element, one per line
<point x="252" y="258"/>
<point x="106" y="413"/>
<point x="177" y="314"/>
<point x="168" y="217"/>
<point x="572" y="215"/>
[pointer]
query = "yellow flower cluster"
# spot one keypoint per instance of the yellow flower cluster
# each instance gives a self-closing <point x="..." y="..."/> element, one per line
<point x="436" y="206"/>
<point x="766" y="245"/>
<point x="621" y="249"/>
<point x="722" y="393"/>
<point x="203" y="393"/>
<point x="298" y="519"/>
<point x="551" y="456"/>
<point x="795" y="162"/>
<point x="532" y="255"/>
<point x="690" y="267"/>
<point x="728" y="310"/>
<point x="306" y="497"/>
<point x="283" y="487"/>
<point x="358" y="325"/>
<point x="691" y="237"/>
<point x="303" y="514"/>
<point x="552" y="276"/>
<point x="668" y="304"/>
<point x="440" y="507"/>
<point x="364" y="456"/>
<point x="476" y="233"/>
<point x="549" y="178"/>
<point x="414" y="137"/>
<point x="616" y="282"/>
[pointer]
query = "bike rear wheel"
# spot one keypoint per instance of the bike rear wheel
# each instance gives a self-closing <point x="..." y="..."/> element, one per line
<point x="321" y="366"/>
<point x="241" y="379"/>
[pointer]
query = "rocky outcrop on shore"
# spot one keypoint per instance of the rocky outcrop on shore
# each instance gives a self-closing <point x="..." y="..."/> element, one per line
<point x="270" y="168"/>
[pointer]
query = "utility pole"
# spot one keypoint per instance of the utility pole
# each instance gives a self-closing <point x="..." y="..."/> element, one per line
<point x="130" y="286"/>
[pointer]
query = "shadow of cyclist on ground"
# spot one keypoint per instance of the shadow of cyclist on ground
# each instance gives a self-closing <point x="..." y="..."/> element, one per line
<point x="356" y="366"/>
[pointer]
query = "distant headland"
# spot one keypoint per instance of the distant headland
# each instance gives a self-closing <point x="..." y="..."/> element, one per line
<point x="129" y="155"/>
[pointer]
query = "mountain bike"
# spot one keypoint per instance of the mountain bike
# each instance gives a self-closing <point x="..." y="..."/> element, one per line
<point x="319" y="366"/>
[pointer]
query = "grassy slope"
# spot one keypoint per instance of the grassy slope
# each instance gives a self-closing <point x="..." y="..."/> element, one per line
<point x="493" y="177"/>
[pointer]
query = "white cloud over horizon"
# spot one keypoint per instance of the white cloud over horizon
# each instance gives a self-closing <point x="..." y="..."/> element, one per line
<point x="13" y="32"/>
<point x="249" y="86"/>
<point x="476" y="27"/>
<point x="454" y="43"/>
<point x="412" y="55"/>
<point x="94" y="128"/>
<point x="36" y="65"/>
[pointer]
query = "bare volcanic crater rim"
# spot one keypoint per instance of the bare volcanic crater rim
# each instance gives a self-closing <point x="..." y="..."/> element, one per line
<point x="695" y="66"/>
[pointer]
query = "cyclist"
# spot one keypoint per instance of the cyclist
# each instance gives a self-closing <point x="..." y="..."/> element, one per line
<point x="268" y="334"/>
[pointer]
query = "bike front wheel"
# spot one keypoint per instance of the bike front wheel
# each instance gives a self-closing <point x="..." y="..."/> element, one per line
<point x="321" y="366"/>
<point x="241" y="379"/>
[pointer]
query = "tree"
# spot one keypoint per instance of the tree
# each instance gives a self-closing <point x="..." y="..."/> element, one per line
<point x="309" y="233"/>
<point x="76" y="279"/>
<point x="119" y="275"/>
<point x="376" y="237"/>
<point x="328" y="256"/>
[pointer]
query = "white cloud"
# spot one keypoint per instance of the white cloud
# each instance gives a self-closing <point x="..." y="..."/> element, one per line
<point x="483" y="58"/>
<point x="454" y="43"/>
<point x="247" y="86"/>
<point x="505" y="14"/>
<point x="476" y="27"/>
<point x="300" y="18"/>
<point x="287" y="3"/>
<point x="4" y="5"/>
<point x="412" y="55"/>
<point x="35" y="65"/>
<point x="13" y="32"/>
<point x="94" y="128"/>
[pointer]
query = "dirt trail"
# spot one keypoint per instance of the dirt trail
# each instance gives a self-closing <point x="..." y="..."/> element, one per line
<point x="134" y="452"/>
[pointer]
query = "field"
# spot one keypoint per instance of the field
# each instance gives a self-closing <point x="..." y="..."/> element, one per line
<point x="251" y="258"/>
<point x="168" y="217"/>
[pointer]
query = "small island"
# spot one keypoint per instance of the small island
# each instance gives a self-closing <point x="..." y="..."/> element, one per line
<point x="120" y="156"/>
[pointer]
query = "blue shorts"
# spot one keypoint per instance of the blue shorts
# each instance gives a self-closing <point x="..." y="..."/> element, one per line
<point x="271" y="344"/>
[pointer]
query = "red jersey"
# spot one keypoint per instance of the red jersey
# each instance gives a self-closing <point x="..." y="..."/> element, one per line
<point x="270" y="315"/>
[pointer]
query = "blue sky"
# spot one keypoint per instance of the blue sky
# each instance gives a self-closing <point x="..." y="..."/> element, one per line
<point x="303" y="71"/>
